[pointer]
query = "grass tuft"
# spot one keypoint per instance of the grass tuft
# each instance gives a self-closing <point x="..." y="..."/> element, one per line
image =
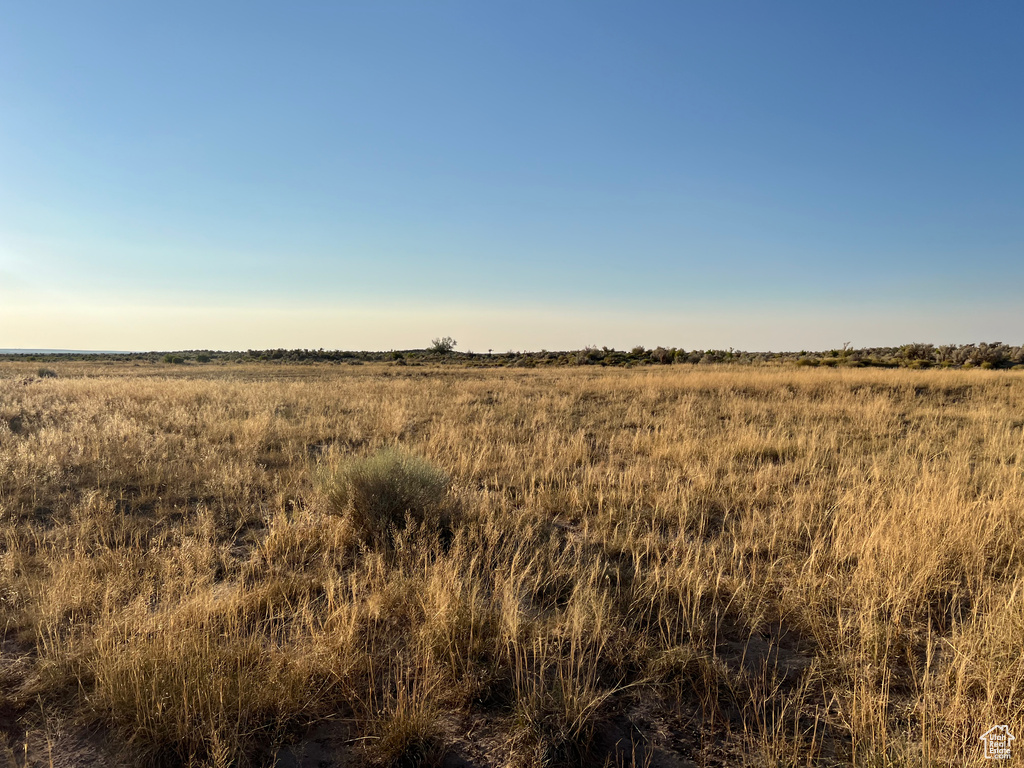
<point x="384" y="492"/>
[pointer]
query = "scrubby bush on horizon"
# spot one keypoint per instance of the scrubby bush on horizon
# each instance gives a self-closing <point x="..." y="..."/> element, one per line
<point x="443" y="345"/>
<point x="381" y="493"/>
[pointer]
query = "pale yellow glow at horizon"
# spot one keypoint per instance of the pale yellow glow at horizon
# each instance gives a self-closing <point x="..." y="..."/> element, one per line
<point x="66" y="325"/>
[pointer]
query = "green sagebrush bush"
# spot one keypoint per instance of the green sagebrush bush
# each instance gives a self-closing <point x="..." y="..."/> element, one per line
<point x="382" y="492"/>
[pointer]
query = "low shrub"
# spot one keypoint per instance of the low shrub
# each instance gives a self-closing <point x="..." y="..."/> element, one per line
<point x="46" y="373"/>
<point x="381" y="493"/>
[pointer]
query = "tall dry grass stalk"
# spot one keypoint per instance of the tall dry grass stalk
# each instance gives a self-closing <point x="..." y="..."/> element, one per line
<point x="734" y="566"/>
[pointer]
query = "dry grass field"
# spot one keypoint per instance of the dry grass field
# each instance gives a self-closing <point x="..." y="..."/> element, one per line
<point x="672" y="566"/>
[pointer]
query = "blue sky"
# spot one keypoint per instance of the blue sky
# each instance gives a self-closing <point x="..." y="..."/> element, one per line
<point x="762" y="175"/>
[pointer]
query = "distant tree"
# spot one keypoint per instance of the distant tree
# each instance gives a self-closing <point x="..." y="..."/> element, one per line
<point x="661" y="355"/>
<point x="443" y="345"/>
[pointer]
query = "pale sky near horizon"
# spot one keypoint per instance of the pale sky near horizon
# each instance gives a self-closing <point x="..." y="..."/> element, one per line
<point x="522" y="175"/>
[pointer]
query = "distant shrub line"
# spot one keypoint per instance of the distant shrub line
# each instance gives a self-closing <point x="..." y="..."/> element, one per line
<point x="980" y="355"/>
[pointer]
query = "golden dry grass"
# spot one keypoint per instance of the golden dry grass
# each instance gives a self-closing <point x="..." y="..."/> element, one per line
<point x="725" y="565"/>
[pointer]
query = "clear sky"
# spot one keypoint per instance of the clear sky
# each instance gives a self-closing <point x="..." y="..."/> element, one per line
<point x="518" y="175"/>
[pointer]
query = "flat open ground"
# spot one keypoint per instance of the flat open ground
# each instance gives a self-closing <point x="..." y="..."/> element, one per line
<point x="667" y="566"/>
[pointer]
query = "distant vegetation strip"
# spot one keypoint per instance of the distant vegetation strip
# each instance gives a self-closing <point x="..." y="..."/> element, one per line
<point x="981" y="355"/>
